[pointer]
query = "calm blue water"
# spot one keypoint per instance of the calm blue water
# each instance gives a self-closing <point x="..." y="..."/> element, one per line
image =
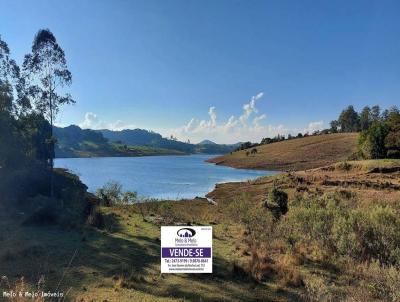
<point x="172" y="177"/>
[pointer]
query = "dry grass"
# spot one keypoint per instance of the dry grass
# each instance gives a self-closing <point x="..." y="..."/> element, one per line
<point x="296" y="154"/>
<point x="121" y="261"/>
<point x="21" y="291"/>
<point x="313" y="268"/>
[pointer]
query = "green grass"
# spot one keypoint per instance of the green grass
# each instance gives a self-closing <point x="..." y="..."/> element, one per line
<point x="119" y="264"/>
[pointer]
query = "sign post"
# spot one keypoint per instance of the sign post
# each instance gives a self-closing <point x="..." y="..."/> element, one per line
<point x="186" y="249"/>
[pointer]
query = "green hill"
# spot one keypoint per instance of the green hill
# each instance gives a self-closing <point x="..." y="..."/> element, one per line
<point x="73" y="141"/>
<point x="141" y="137"/>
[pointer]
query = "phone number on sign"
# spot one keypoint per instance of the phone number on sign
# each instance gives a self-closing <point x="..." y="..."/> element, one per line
<point x="180" y="260"/>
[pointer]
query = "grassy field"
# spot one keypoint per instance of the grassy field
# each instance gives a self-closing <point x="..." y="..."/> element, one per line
<point x="121" y="260"/>
<point x="295" y="154"/>
<point x="120" y="263"/>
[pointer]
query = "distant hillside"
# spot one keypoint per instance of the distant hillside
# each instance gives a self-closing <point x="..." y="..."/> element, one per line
<point x="73" y="141"/>
<point x="206" y="142"/>
<point x="151" y="139"/>
<point x="295" y="154"/>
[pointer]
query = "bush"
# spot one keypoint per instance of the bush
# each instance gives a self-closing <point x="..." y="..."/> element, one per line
<point x="366" y="233"/>
<point x="277" y="202"/>
<point x="110" y="193"/>
<point x="374" y="282"/>
<point x="95" y="218"/>
<point x="313" y="221"/>
<point x="373" y="234"/>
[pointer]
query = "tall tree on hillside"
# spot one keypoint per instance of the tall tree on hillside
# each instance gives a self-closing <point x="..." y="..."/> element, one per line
<point x="365" y="118"/>
<point x="12" y="97"/>
<point x="9" y="74"/>
<point x="46" y="71"/>
<point x="334" y="126"/>
<point x="349" y="120"/>
<point x="392" y="140"/>
<point x="372" y="141"/>
<point x="375" y="113"/>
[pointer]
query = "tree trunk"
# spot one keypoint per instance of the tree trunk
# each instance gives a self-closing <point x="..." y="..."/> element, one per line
<point x="51" y="150"/>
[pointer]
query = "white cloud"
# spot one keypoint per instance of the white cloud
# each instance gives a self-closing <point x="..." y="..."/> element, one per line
<point x="250" y="108"/>
<point x="213" y="116"/>
<point x="314" y="126"/>
<point x="244" y="128"/>
<point x="92" y="121"/>
<point x="249" y="126"/>
<point x="259" y="118"/>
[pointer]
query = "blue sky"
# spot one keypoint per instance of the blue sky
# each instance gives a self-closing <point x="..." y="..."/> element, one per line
<point x="186" y="67"/>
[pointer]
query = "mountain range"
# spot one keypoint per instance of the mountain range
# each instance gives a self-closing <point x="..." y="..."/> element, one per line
<point x="72" y="141"/>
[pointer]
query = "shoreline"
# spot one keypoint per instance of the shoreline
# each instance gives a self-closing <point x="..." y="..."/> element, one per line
<point x="147" y="155"/>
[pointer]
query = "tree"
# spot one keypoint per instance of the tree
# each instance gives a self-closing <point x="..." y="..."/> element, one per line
<point x="372" y="141"/>
<point x="385" y="114"/>
<point x="277" y="202"/>
<point x="244" y="146"/>
<point x="10" y="151"/>
<point x="365" y="118"/>
<point x="392" y="140"/>
<point x="9" y="75"/>
<point x="349" y="121"/>
<point x="375" y="113"/>
<point x="46" y="71"/>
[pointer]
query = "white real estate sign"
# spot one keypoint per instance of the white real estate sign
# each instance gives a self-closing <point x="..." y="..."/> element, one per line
<point x="186" y="249"/>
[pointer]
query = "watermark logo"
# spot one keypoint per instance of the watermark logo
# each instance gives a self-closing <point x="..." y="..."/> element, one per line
<point x="186" y="232"/>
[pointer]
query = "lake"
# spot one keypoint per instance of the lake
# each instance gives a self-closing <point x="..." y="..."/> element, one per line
<point x="162" y="177"/>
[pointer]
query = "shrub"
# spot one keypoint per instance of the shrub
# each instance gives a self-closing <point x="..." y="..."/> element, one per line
<point x="313" y="222"/>
<point x="369" y="234"/>
<point x="260" y="266"/>
<point x="277" y="202"/>
<point x="168" y="213"/>
<point x="375" y="282"/>
<point x="238" y="271"/>
<point x="364" y="233"/>
<point x="345" y="166"/>
<point x="95" y="218"/>
<point x="129" y="197"/>
<point x="317" y="290"/>
<point x="110" y="193"/>
<point x="378" y="233"/>
<point x="258" y="222"/>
